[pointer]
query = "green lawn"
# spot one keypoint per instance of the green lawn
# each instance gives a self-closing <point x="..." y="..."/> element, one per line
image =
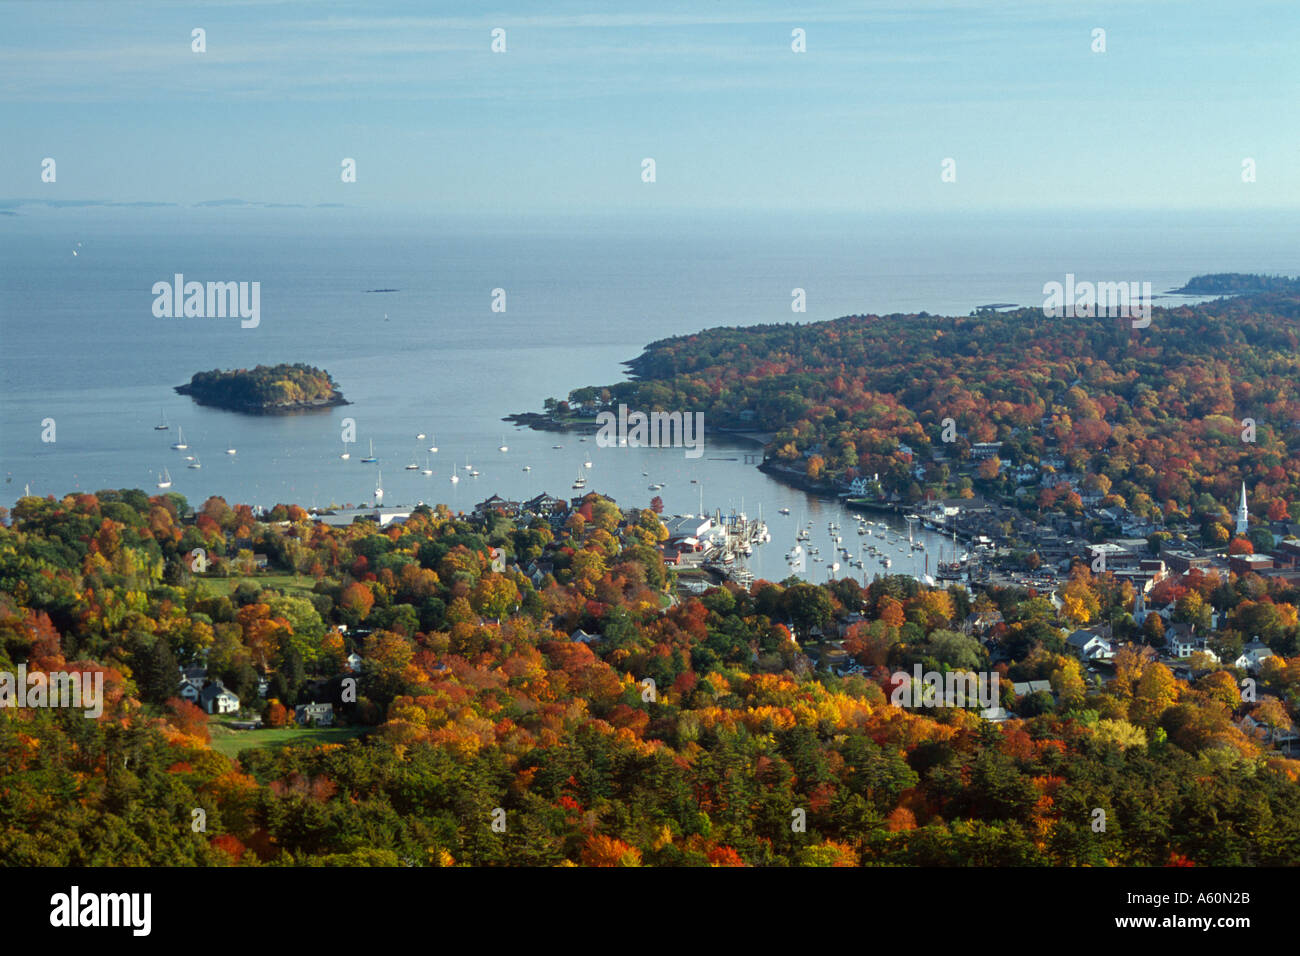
<point x="284" y="582"/>
<point x="230" y="742"/>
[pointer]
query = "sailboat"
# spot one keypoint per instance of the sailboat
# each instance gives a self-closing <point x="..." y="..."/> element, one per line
<point x="371" y="458"/>
<point x="195" y="463"/>
<point x="162" y="426"/>
<point x="166" y="480"/>
<point x="179" y="444"/>
<point x="454" y="477"/>
<point x="420" y="437"/>
<point x="427" y="470"/>
<point x="413" y="466"/>
<point x="433" y="443"/>
<point x="503" y="446"/>
<point x="468" y="466"/>
<point x="580" y="481"/>
<point x="230" y="451"/>
<point x="587" y="463"/>
<point x="346" y="454"/>
<point x="379" y="488"/>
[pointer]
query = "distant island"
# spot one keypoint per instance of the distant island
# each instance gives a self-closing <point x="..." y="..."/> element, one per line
<point x="265" y="390"/>
<point x="1237" y="283"/>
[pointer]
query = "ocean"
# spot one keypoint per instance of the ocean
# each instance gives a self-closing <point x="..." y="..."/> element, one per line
<point x="79" y="343"/>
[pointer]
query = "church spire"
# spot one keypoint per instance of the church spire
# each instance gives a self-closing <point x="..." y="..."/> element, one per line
<point x="1243" y="514"/>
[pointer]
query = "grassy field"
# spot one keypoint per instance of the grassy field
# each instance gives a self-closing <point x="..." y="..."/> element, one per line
<point x="230" y="742"/>
<point x="285" y="582"/>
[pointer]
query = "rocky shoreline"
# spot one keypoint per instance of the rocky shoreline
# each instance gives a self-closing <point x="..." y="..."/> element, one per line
<point x="267" y="408"/>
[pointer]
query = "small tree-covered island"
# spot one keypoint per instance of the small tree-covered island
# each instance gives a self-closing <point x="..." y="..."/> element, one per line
<point x="266" y="389"/>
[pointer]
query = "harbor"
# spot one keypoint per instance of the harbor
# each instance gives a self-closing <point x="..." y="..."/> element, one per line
<point x="823" y="542"/>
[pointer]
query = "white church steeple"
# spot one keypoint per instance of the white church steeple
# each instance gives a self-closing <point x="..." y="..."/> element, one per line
<point x="1140" y="606"/>
<point x="1243" y="516"/>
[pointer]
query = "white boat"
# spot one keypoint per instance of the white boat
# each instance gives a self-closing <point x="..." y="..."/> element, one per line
<point x="528" y="467"/>
<point x="179" y="444"/>
<point x="581" y="482"/>
<point x="195" y="463"/>
<point x="473" y="473"/>
<point x="503" y="446"/>
<point x="468" y="466"/>
<point x="166" y="480"/>
<point x="162" y="426"/>
<point x="834" y="566"/>
<point x="428" y="469"/>
<point x="420" y="437"/>
<point x="557" y="446"/>
<point x="230" y="451"/>
<point x="413" y="466"/>
<point x="346" y="454"/>
<point x="587" y="463"/>
<point x="371" y="459"/>
<point x="379" y="488"/>
<point x="454" y="477"/>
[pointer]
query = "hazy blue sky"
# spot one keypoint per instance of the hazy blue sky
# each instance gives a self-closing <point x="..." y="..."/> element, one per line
<point x="709" y="88"/>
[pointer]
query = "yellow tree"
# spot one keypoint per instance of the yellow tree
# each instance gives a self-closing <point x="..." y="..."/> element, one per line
<point x="1130" y="664"/>
<point x="1079" y="602"/>
<point x="1067" y="682"/>
<point x="1157" y="691"/>
<point x="495" y="595"/>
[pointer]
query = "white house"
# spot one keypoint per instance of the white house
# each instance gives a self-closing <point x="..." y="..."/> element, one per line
<point x="1252" y="655"/>
<point x="191" y="683"/>
<point x="1088" y="646"/>
<point x="354" y="662"/>
<point x="215" y="699"/>
<point x="314" y="715"/>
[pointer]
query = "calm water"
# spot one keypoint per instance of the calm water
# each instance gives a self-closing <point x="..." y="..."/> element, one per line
<point x="79" y="343"/>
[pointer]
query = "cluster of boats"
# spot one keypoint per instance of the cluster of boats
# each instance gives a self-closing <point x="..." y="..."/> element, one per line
<point x="879" y="539"/>
<point x="165" y="479"/>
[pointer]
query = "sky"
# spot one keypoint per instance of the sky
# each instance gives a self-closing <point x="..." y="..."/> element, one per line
<point x="711" y="90"/>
